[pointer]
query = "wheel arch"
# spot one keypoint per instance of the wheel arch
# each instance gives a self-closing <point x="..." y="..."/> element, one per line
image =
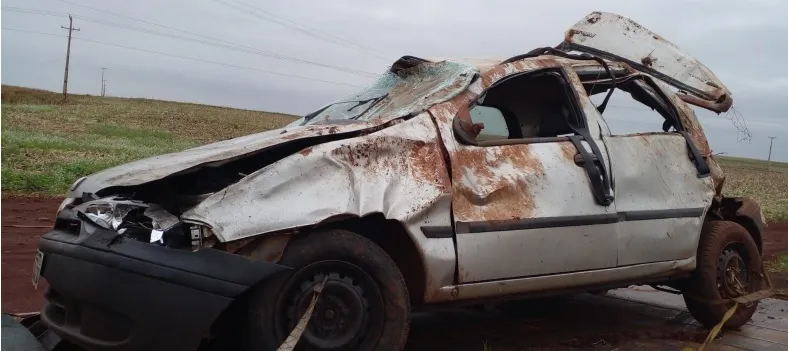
<point x="744" y="211"/>
<point x="393" y="237"/>
<point x="390" y="235"/>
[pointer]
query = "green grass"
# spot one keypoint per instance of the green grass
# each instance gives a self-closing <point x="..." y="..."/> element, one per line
<point x="766" y="182"/>
<point x="47" y="144"/>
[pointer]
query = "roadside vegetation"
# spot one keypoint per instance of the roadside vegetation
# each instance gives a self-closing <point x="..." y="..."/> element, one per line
<point x="764" y="181"/>
<point x="47" y="144"/>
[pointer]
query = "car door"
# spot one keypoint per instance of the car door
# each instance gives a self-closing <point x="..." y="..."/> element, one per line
<point x="663" y="186"/>
<point x="660" y="198"/>
<point x="661" y="179"/>
<point x="524" y="202"/>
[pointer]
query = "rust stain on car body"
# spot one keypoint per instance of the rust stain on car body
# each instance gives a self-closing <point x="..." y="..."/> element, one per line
<point x="568" y="150"/>
<point x="306" y="152"/>
<point x="392" y="155"/>
<point x="493" y="183"/>
<point x="428" y="164"/>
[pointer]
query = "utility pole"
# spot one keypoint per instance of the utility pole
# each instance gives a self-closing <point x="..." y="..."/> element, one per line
<point x="103" y="82"/>
<point x="771" y="141"/>
<point x="68" y="53"/>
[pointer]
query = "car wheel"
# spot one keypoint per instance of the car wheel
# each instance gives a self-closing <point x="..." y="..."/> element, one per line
<point x="364" y="304"/>
<point x="728" y="266"/>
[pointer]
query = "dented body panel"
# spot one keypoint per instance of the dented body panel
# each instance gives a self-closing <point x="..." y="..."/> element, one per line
<point x="398" y="172"/>
<point x="211" y="155"/>
<point x="653" y="175"/>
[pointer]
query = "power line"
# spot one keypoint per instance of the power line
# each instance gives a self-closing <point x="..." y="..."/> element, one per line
<point x="168" y="27"/>
<point x="36" y="11"/>
<point x="147" y="22"/>
<point x="309" y="29"/>
<point x="184" y="57"/>
<point x="235" y="47"/>
<point x="313" y="32"/>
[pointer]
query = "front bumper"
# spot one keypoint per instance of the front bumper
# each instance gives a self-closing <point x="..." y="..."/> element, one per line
<point x="108" y="292"/>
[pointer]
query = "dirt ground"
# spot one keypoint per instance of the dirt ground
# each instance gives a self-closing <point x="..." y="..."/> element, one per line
<point x="775" y="241"/>
<point x="25" y="219"/>
<point x="23" y="222"/>
<point x="776" y="244"/>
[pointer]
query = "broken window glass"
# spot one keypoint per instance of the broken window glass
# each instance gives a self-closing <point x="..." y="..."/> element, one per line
<point x="398" y="92"/>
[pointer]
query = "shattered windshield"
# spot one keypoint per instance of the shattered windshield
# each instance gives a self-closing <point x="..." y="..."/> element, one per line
<point x="395" y="94"/>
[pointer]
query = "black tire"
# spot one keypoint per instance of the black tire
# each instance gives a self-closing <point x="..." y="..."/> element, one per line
<point x="722" y="242"/>
<point x="365" y="299"/>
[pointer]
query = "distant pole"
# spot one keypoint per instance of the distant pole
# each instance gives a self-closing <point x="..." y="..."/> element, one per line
<point x="103" y="82"/>
<point x="68" y="53"/>
<point x="771" y="141"/>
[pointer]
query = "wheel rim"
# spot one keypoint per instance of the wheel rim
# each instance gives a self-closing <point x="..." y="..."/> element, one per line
<point x="732" y="273"/>
<point x="348" y="314"/>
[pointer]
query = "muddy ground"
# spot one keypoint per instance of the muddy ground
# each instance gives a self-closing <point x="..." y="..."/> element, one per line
<point x="25" y="219"/>
<point x="23" y="222"/>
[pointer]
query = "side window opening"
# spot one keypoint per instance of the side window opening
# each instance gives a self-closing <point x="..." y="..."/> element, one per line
<point x="493" y="120"/>
<point x="531" y="105"/>
<point x="635" y="108"/>
<point x="630" y="120"/>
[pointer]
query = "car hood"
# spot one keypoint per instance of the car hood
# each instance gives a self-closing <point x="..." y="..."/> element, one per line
<point x="210" y="155"/>
<point x="408" y="88"/>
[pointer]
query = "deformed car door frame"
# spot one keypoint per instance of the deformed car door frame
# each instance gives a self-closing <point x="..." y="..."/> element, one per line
<point x="596" y="170"/>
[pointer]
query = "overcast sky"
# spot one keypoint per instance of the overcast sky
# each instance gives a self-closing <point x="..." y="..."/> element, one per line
<point x="738" y="40"/>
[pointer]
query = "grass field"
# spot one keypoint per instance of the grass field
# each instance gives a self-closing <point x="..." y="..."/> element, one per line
<point x="767" y="182"/>
<point x="47" y="144"/>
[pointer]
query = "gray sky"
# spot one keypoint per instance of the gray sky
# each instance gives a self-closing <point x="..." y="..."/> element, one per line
<point x="738" y="40"/>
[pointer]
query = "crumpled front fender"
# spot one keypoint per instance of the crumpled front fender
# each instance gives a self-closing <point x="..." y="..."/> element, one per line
<point x="399" y="171"/>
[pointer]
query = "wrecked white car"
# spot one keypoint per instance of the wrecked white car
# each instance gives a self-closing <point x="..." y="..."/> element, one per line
<point x="444" y="181"/>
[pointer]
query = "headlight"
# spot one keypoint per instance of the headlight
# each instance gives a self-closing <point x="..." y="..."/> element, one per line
<point x="108" y="213"/>
<point x="136" y="219"/>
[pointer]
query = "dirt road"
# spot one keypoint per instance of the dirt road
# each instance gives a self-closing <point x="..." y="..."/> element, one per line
<point x="23" y="222"/>
<point x="625" y="319"/>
